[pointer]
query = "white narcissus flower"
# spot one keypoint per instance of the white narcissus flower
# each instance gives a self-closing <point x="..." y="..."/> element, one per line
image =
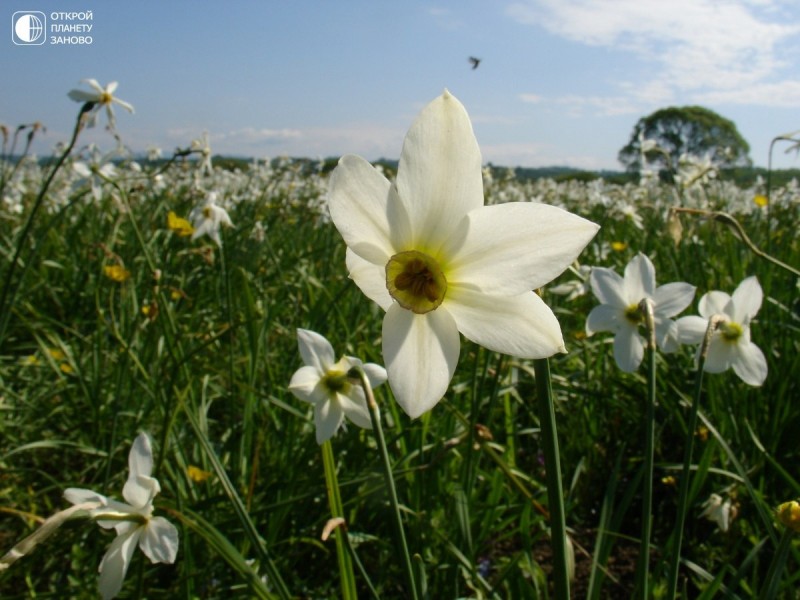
<point x="202" y="146"/>
<point x="102" y="97"/>
<point x="730" y="345"/>
<point x="133" y="520"/>
<point x="576" y="287"/>
<point x="324" y="383"/>
<point x="619" y="309"/>
<point x="208" y="218"/>
<point x="718" y="510"/>
<point x="97" y="169"/>
<point x="439" y="262"/>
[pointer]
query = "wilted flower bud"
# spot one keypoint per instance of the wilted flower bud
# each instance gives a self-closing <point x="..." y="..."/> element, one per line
<point x="788" y="514"/>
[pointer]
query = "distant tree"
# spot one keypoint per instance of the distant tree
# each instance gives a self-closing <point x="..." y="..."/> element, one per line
<point x="681" y="130"/>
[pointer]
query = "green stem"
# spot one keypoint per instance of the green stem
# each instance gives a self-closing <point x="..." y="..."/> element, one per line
<point x="346" y="573"/>
<point x="555" y="494"/>
<point x="770" y="591"/>
<point x="643" y="566"/>
<point x="7" y="294"/>
<point x="731" y="222"/>
<point x="683" y="491"/>
<point x="358" y="374"/>
<point x="239" y="508"/>
<point x="360" y="566"/>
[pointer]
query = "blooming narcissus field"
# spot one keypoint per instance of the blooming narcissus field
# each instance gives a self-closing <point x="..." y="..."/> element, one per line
<point x="290" y="378"/>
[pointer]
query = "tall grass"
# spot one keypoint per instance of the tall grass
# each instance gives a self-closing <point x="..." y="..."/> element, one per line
<point x="197" y="348"/>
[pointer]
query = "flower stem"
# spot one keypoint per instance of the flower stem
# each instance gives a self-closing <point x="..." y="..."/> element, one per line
<point x="348" y="579"/>
<point x="683" y="491"/>
<point x="8" y="295"/>
<point x="731" y="222"/>
<point x="360" y="566"/>
<point x="643" y="566"/>
<point x="555" y="494"/>
<point x="358" y="374"/>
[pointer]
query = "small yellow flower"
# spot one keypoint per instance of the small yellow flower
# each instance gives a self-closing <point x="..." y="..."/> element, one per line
<point x="788" y="514"/>
<point x="30" y="361"/>
<point x="760" y="200"/>
<point x="669" y="480"/>
<point x="179" y="225"/>
<point x="56" y="354"/>
<point x="197" y="474"/>
<point x="619" y="246"/>
<point x="116" y="273"/>
<point x="65" y="368"/>
<point x="150" y="310"/>
<point x="702" y="433"/>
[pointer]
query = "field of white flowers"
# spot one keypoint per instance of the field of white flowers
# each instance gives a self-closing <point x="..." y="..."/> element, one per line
<point x="284" y="380"/>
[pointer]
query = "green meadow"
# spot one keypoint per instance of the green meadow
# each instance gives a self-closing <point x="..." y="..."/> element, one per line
<point x="115" y="321"/>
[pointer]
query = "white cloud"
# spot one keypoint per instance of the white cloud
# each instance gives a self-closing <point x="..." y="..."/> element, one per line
<point x="444" y="18"/>
<point x="366" y="139"/>
<point x="252" y="135"/>
<point x="784" y="94"/>
<point x="701" y="47"/>
<point x="598" y="105"/>
<point x="531" y="98"/>
<point x="536" y="155"/>
<point x="575" y="105"/>
<point x="493" y="119"/>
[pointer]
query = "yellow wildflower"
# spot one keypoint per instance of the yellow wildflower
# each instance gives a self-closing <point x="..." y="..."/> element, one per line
<point x="788" y="514"/>
<point x="116" y="273"/>
<point x="56" y="354"/>
<point x="150" y="310"/>
<point x="65" y="368"/>
<point x="179" y="225"/>
<point x="30" y="361"/>
<point x="197" y="474"/>
<point x="619" y="246"/>
<point x="760" y="200"/>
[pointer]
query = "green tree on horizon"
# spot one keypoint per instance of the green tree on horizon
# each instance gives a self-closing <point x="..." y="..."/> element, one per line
<point x="679" y="130"/>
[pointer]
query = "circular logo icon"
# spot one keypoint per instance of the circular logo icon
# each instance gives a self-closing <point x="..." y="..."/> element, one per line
<point x="29" y="28"/>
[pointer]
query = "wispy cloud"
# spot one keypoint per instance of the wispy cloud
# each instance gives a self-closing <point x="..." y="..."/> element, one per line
<point x="444" y="18"/>
<point x="603" y="105"/>
<point x="535" y="155"/>
<point x="531" y="98"/>
<point x="785" y="94"/>
<point x="693" y="48"/>
<point x="252" y="135"/>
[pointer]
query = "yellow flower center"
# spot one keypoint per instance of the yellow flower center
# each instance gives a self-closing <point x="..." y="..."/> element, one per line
<point x="731" y="331"/>
<point x="336" y="381"/>
<point x="633" y="314"/>
<point x="105" y="98"/>
<point x="416" y="281"/>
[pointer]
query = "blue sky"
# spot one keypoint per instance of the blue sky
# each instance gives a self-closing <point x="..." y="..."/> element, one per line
<point x="561" y="82"/>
